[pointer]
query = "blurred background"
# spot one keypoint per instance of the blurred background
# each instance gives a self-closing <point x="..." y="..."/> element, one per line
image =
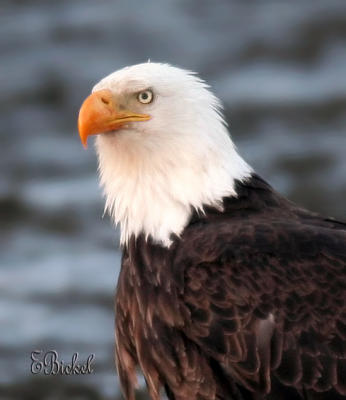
<point x="280" y="70"/>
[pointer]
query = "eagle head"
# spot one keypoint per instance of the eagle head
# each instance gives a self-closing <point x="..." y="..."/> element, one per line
<point x="163" y="148"/>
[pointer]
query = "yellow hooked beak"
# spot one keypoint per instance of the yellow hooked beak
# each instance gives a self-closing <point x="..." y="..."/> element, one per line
<point x="100" y="114"/>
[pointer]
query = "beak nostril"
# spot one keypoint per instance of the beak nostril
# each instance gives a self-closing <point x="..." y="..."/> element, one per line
<point x="104" y="100"/>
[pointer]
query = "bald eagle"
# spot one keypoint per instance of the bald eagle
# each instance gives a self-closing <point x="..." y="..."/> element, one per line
<point x="227" y="290"/>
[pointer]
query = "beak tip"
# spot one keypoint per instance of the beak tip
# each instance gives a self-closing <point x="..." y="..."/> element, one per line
<point x="82" y="134"/>
<point x="84" y="140"/>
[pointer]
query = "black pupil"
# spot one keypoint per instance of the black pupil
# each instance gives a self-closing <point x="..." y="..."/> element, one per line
<point x="145" y="96"/>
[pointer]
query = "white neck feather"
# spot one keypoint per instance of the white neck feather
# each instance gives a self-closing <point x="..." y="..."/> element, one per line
<point x="153" y="185"/>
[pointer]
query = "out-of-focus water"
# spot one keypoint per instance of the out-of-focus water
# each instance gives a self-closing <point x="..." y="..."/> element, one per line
<point x="280" y="70"/>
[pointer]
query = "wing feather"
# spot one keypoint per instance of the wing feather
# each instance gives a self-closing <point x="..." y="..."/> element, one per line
<point x="270" y="302"/>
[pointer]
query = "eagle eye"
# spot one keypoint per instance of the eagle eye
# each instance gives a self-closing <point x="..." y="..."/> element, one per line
<point x="145" y="97"/>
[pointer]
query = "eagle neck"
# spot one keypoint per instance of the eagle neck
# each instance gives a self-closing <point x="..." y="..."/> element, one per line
<point x="152" y="191"/>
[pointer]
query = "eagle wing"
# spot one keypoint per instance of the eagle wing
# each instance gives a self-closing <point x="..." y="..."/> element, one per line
<point x="266" y="300"/>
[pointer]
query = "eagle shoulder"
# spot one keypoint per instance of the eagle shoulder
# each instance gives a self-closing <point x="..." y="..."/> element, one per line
<point x="267" y="298"/>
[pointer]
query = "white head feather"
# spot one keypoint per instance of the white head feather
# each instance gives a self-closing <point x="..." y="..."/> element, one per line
<point x="154" y="173"/>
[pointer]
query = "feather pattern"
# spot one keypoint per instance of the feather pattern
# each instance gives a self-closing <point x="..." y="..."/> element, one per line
<point x="248" y="303"/>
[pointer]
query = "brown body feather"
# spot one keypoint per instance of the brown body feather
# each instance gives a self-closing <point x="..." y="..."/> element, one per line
<point x="249" y="303"/>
